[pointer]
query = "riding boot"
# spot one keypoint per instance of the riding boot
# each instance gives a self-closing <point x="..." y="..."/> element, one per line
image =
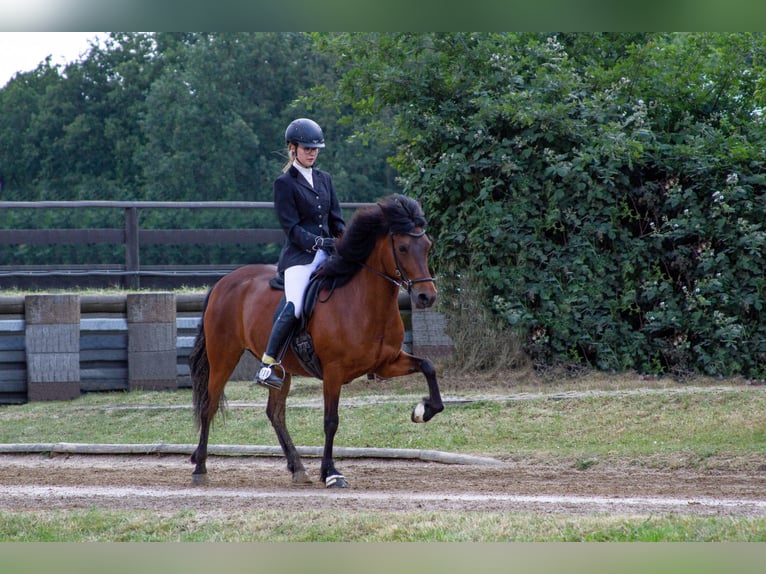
<point x="283" y="326"/>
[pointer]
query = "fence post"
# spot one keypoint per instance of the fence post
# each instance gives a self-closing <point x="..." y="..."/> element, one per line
<point x="52" y="344"/>
<point x="132" y="264"/>
<point x="152" y="355"/>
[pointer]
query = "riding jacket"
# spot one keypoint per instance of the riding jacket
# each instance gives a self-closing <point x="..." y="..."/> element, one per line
<point x="305" y="213"/>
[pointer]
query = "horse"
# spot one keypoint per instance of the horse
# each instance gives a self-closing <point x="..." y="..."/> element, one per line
<point x="355" y="326"/>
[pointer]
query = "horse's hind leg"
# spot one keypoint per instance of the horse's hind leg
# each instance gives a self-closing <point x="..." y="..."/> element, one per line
<point x="199" y="456"/>
<point x="275" y="410"/>
<point x="207" y="413"/>
<point x="208" y="396"/>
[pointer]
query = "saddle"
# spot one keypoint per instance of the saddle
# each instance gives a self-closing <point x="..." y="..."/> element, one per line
<point x="300" y="341"/>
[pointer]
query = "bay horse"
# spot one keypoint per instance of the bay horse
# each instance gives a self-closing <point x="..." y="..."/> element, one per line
<point x="355" y="326"/>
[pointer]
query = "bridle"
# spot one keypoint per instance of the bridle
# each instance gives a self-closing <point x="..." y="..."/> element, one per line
<point x="401" y="280"/>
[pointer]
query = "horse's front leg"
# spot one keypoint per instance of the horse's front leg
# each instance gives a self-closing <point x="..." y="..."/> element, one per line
<point x="330" y="475"/>
<point x="275" y="411"/>
<point x="406" y="364"/>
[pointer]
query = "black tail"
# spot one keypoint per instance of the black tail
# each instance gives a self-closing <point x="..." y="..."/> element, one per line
<point x="199" y="368"/>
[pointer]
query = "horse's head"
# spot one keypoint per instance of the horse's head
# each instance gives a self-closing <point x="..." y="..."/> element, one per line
<point x="388" y="239"/>
<point x="409" y="254"/>
<point x="409" y="247"/>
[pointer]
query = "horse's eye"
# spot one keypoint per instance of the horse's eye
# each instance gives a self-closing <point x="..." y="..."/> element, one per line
<point x="402" y="249"/>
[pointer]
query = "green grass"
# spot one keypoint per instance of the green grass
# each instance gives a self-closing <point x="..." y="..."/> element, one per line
<point x="93" y="525"/>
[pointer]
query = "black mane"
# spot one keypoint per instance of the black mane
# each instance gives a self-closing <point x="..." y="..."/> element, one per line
<point x="394" y="213"/>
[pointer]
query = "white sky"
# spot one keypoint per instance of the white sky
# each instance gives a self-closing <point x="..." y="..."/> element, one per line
<point x="23" y="51"/>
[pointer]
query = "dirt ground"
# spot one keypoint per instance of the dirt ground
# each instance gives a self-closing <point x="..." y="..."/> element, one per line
<point x="245" y="483"/>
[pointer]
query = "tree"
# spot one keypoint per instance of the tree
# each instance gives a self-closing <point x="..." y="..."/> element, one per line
<point x="79" y="124"/>
<point x="21" y="102"/>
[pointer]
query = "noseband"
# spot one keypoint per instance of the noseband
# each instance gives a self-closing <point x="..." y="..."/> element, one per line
<point x="401" y="280"/>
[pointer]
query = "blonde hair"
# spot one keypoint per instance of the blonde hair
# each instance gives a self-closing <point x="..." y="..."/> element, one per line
<point x="290" y="157"/>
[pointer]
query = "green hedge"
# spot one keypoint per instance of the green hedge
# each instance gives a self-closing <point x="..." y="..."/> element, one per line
<point x="607" y="191"/>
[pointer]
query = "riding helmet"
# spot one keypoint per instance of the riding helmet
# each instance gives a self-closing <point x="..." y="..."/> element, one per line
<point x="305" y="132"/>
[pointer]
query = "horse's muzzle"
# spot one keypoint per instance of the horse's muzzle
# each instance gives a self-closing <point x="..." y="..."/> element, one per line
<point x="424" y="299"/>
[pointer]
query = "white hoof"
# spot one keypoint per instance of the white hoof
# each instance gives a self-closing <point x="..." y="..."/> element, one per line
<point x="336" y="481"/>
<point x="418" y="412"/>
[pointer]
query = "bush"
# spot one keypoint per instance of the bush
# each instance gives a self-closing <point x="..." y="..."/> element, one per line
<point x="606" y="192"/>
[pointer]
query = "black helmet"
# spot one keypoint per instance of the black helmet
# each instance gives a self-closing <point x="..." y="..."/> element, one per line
<point x="305" y="132"/>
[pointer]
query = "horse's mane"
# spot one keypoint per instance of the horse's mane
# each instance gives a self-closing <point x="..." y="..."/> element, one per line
<point x="392" y="214"/>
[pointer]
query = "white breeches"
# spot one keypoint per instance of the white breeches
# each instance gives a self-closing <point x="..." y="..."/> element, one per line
<point x="297" y="279"/>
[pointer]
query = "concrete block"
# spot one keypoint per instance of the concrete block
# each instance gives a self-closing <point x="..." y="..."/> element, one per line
<point x="151" y="307"/>
<point x="46" y="338"/>
<point x="429" y="334"/>
<point x="52" y="346"/>
<point x="51" y="309"/>
<point x="151" y="366"/>
<point x="152" y="341"/>
<point x="151" y="337"/>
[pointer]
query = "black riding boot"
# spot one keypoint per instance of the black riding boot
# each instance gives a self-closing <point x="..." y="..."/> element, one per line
<point x="283" y="326"/>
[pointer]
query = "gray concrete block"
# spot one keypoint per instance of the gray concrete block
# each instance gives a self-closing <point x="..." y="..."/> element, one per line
<point x="151" y="337"/>
<point x="53" y="367"/>
<point x="63" y="338"/>
<point x="151" y="307"/>
<point x="51" y="309"/>
<point x="152" y="365"/>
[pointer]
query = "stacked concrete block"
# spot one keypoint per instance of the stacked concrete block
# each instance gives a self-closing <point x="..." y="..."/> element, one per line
<point x="52" y="344"/>
<point x="152" y="354"/>
<point x="429" y="334"/>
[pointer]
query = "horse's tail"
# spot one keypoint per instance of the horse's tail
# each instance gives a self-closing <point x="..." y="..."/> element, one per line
<point x="199" y="368"/>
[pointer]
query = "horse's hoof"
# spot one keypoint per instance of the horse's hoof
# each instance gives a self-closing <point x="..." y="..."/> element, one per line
<point x="300" y="478"/>
<point x="418" y="413"/>
<point x="199" y="479"/>
<point x="336" y="481"/>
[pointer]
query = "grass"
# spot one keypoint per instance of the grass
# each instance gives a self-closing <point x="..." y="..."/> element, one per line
<point x="93" y="525"/>
<point x="621" y="419"/>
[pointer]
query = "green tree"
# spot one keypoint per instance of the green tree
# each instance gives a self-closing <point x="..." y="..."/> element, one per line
<point x="78" y="124"/>
<point x="20" y="155"/>
<point x="216" y="119"/>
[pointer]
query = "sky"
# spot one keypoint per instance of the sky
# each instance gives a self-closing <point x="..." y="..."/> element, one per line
<point x="23" y="51"/>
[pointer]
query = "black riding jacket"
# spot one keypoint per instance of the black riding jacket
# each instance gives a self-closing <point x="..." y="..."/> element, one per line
<point x="305" y="213"/>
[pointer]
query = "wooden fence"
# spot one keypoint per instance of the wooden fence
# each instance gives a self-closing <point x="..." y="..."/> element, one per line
<point x="57" y="346"/>
<point x="128" y="272"/>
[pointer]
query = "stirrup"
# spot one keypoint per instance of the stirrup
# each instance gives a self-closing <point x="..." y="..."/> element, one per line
<point x="268" y="378"/>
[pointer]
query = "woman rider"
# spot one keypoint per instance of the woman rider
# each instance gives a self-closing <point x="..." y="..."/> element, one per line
<point x="309" y="213"/>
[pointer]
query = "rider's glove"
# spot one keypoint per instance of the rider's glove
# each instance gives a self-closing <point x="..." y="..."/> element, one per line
<point x="326" y="243"/>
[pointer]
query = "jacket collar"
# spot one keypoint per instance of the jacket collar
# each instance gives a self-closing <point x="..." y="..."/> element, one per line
<point x="293" y="171"/>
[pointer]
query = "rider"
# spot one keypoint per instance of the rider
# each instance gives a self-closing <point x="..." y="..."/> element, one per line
<point x="309" y="213"/>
